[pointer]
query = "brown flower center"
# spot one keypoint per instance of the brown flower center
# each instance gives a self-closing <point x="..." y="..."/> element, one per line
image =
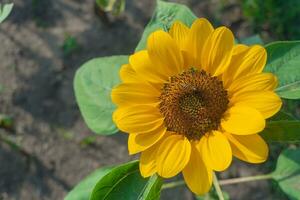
<point x="193" y="103"/>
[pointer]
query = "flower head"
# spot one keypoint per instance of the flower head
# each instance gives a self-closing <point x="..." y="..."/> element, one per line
<point x="193" y="99"/>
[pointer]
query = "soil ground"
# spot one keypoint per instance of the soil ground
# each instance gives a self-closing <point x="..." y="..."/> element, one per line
<point x="36" y="77"/>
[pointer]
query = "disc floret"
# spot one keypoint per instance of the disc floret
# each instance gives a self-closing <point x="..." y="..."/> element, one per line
<point x="193" y="103"/>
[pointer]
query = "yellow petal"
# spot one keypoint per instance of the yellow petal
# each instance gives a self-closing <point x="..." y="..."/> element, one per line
<point x="243" y="120"/>
<point x="128" y="75"/>
<point x="247" y="62"/>
<point x="249" y="148"/>
<point x="137" y="119"/>
<point x="148" y="161"/>
<point x="197" y="175"/>
<point x="216" y="151"/>
<point x="266" y="102"/>
<point x="146" y="69"/>
<point x="217" y="51"/>
<point x="199" y="32"/>
<point x="254" y="82"/>
<point x="239" y="48"/>
<point x="140" y="142"/>
<point x="173" y="155"/>
<point x="189" y="61"/>
<point x="164" y="53"/>
<point x="135" y="93"/>
<point x="179" y="33"/>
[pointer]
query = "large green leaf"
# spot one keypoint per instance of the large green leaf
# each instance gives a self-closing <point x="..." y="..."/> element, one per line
<point x="284" y="62"/>
<point x="287" y="173"/>
<point x="117" y="183"/>
<point x="152" y="189"/>
<point x="5" y="10"/>
<point x="83" y="190"/>
<point x="164" y="15"/>
<point x="125" y="182"/>
<point x="93" y="83"/>
<point x="282" y="131"/>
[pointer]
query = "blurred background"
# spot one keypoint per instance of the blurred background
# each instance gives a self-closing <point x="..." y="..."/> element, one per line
<point x="45" y="147"/>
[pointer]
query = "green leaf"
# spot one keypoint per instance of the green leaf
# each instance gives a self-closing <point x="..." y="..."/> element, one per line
<point x="164" y="15"/>
<point x="255" y="39"/>
<point x="125" y="182"/>
<point x="83" y="190"/>
<point x="5" y="10"/>
<point x="284" y="62"/>
<point x="287" y="173"/>
<point x="152" y="189"/>
<point x="70" y="45"/>
<point x="282" y="116"/>
<point x="93" y="83"/>
<point x="117" y="183"/>
<point x="282" y="131"/>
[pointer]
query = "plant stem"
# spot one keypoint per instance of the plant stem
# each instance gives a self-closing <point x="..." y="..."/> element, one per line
<point x="173" y="184"/>
<point x="245" y="179"/>
<point x="217" y="187"/>
<point x="223" y="182"/>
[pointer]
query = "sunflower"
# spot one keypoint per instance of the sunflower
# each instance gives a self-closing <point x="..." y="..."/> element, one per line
<point x="193" y="99"/>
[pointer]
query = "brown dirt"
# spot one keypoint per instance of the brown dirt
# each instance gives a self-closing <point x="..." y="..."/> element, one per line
<point x="37" y="80"/>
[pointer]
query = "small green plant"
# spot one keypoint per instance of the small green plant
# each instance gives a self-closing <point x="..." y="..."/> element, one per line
<point x="114" y="6"/>
<point x="87" y="141"/>
<point x="70" y="45"/>
<point x="6" y="121"/>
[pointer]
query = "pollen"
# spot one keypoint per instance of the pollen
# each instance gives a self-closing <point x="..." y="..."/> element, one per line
<point x="193" y="103"/>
